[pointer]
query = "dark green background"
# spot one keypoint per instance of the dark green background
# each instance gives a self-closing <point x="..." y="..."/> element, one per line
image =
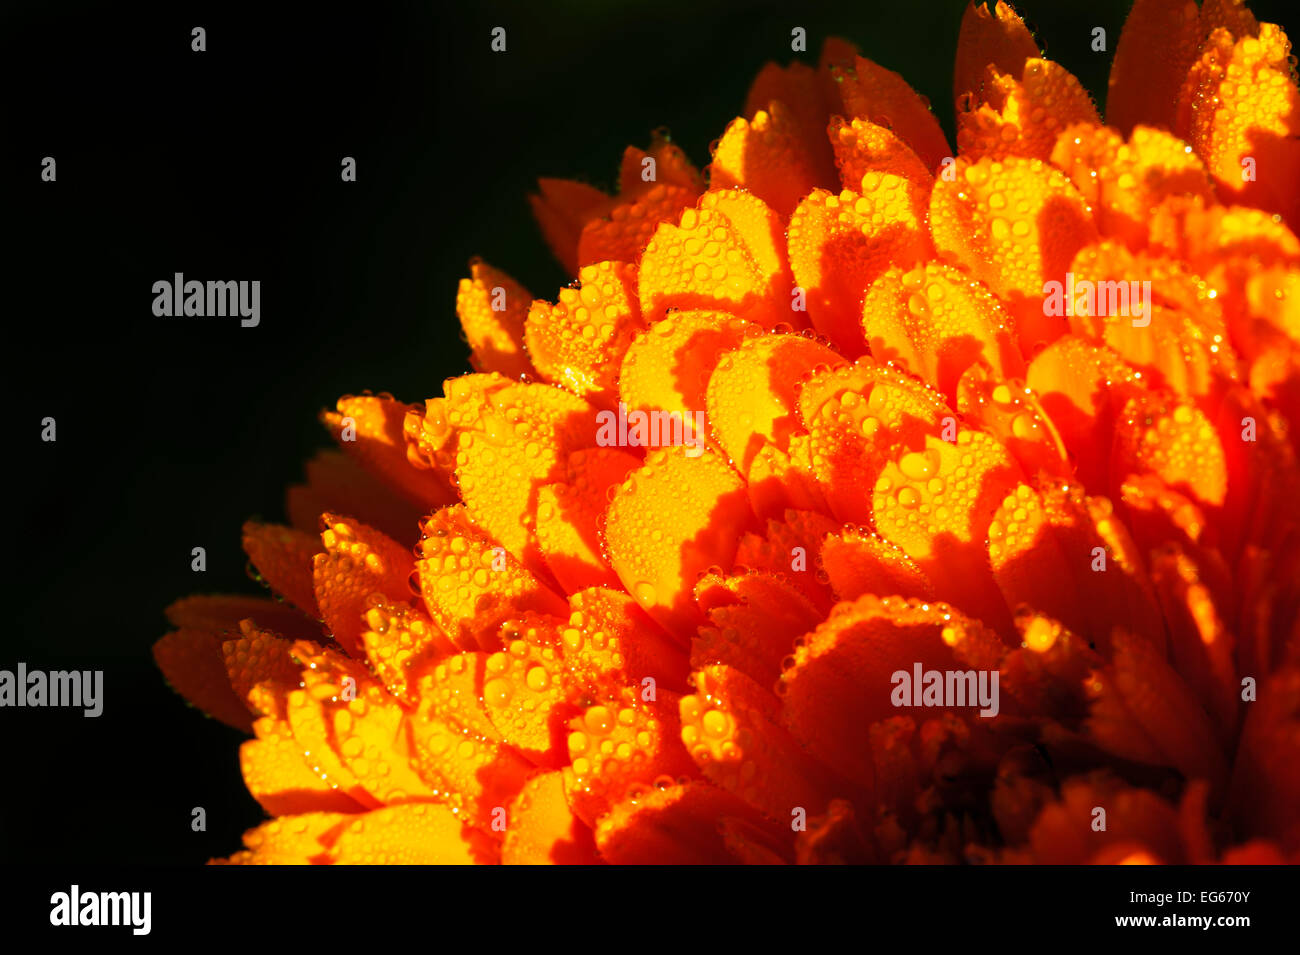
<point x="225" y="165"/>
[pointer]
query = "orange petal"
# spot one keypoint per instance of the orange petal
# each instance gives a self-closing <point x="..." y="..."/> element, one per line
<point x="676" y="825"/>
<point x="337" y="483"/>
<point x="841" y="680"/>
<point x="1140" y="826"/>
<point x="837" y="54"/>
<point x="726" y="254"/>
<point x="1232" y="15"/>
<point x="670" y="166"/>
<point x="258" y="657"/>
<point x="366" y="728"/>
<point x="756" y="844"/>
<point x="1024" y="117"/>
<point x="525" y="691"/>
<point x="754" y="620"/>
<point x="622" y="745"/>
<point x="1124" y="182"/>
<point x="798" y="86"/>
<point x="998" y="38"/>
<point x="579" y="342"/>
<point x="191" y="661"/>
<point x="1083" y="389"/>
<point x="414" y="834"/>
<point x="882" y="96"/>
<point x="786" y="550"/>
<point x="768" y="156"/>
<point x="658" y="562"/>
<point x="570" y="515"/>
<point x="621" y="234"/>
<point x="492" y="307"/>
<point x="1174" y="440"/>
<point x="306" y="715"/>
<point x="977" y="223"/>
<point x="400" y="641"/>
<point x="611" y="642"/>
<point x="371" y="429"/>
<point x="935" y="322"/>
<point x="457" y="749"/>
<point x="1125" y="591"/>
<point x="1266" y="778"/>
<point x="857" y="416"/>
<point x="1143" y="711"/>
<point x="936" y="503"/>
<point x="222" y="613"/>
<point x="860" y="562"/>
<point x="358" y="562"/>
<point x="542" y="829"/>
<point x="1245" y="119"/>
<point x="840" y="244"/>
<point x="1201" y="647"/>
<point x="732" y="728"/>
<point x="1014" y="415"/>
<point x="777" y="481"/>
<point x="862" y="147"/>
<point x="472" y="586"/>
<point x="1178" y="342"/>
<point x="1038" y="548"/>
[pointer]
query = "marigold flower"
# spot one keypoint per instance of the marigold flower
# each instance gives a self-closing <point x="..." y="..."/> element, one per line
<point x="1027" y="409"/>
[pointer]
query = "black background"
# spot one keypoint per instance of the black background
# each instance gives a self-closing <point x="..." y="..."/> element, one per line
<point x="225" y="165"/>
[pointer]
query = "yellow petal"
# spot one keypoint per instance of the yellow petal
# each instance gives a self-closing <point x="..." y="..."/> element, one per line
<point x="767" y="156"/>
<point x="659" y="561"/>
<point x="666" y="372"/>
<point x="935" y="322"/>
<point x="579" y="342"/>
<point x="1014" y="224"/>
<point x="723" y="255"/>
<point x="542" y="829"/>
<point x="278" y="776"/>
<point x="413" y="834"/>
<point x="492" y="307"/>
<point x="1024" y="116"/>
<point x="752" y="392"/>
<point x="470" y="585"/>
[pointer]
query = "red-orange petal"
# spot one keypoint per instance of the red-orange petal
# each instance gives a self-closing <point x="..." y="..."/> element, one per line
<point x="998" y="38"/>
<point x="192" y="663"/>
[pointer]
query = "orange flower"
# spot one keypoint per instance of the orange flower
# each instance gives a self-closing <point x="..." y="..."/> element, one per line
<point x="1024" y="415"/>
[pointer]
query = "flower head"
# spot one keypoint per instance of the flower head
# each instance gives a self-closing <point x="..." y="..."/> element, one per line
<point x="989" y="522"/>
